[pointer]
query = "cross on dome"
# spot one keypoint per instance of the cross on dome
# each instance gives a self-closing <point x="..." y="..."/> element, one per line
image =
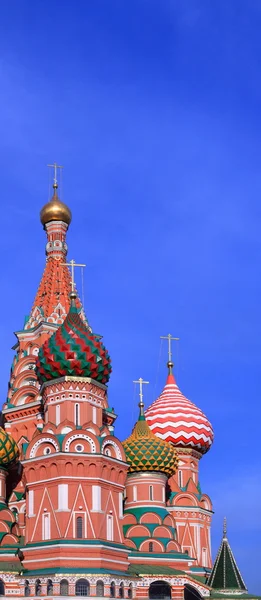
<point x="170" y="338"/>
<point x="55" y="167"/>
<point x="141" y="381"/>
<point x="73" y="264"/>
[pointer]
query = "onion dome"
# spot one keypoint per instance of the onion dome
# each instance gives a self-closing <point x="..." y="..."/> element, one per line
<point x="73" y="350"/>
<point x="174" y="418"/>
<point x="9" y="452"/>
<point x="55" y="210"/>
<point x="145" y="452"/>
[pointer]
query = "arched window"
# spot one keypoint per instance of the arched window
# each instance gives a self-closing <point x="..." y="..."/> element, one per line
<point x="79" y="527"/>
<point x="64" y="588"/>
<point x="159" y="590"/>
<point x="151" y="492"/>
<point x="150" y="546"/>
<point x="112" y="590"/>
<point x="2" y="588"/>
<point x="99" y="588"/>
<point x="49" y="587"/>
<point x="26" y="588"/>
<point x="121" y="590"/>
<point x="82" y="587"/>
<point x="130" y="591"/>
<point x="38" y="587"/>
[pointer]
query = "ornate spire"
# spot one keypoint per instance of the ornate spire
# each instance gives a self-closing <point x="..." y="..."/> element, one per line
<point x="225" y="575"/>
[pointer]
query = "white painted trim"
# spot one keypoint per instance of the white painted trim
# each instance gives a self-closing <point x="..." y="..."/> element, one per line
<point x="25" y="548"/>
<point x="63" y="477"/>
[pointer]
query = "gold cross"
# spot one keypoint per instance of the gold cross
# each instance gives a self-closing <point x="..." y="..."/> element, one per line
<point x="141" y="403"/>
<point x="169" y="338"/>
<point x="55" y="167"/>
<point x="73" y="264"/>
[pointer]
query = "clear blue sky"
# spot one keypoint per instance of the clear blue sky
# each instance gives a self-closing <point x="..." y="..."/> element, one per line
<point x="153" y="108"/>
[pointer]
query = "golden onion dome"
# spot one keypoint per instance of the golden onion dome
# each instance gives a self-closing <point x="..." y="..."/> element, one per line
<point x="55" y="210"/>
<point x="9" y="452"/>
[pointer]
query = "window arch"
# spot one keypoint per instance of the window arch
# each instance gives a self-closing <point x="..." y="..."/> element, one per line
<point x="121" y="590"/>
<point x="130" y="591"/>
<point x="82" y="587"/>
<point x="49" y="587"/>
<point x="99" y="588"/>
<point x="64" y="588"/>
<point x="2" y="588"/>
<point x="38" y="587"/>
<point x="112" y="590"/>
<point x="26" y="588"/>
<point x="79" y="527"/>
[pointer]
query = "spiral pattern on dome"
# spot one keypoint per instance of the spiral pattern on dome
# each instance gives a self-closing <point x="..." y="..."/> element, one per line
<point x="174" y="418"/>
<point x="73" y="350"/>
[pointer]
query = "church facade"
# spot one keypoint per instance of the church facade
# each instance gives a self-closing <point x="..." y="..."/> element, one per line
<point x="81" y="512"/>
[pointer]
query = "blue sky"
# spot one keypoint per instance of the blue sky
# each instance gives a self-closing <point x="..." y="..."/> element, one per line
<point x="153" y="108"/>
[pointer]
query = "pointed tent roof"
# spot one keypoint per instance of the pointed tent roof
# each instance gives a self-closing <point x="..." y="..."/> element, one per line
<point x="225" y="575"/>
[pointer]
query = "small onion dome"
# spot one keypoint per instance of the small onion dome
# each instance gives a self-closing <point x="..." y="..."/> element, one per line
<point x="73" y="350"/>
<point x="174" y="418"/>
<point x="145" y="452"/>
<point x="55" y="210"/>
<point x="9" y="452"/>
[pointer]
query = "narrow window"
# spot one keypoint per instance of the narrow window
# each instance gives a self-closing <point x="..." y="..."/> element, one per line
<point x="63" y="496"/>
<point x="31" y="503"/>
<point x="109" y="527"/>
<point x="204" y="557"/>
<point x="120" y="505"/>
<point x="57" y="414"/>
<point x="26" y="588"/>
<point x="151" y="492"/>
<point x="180" y="478"/>
<point x="46" y="526"/>
<point x="94" y="415"/>
<point x="64" y="588"/>
<point x="79" y="528"/>
<point x="2" y="588"/>
<point x="38" y="587"/>
<point x="150" y="546"/>
<point x="49" y="587"/>
<point x="134" y="493"/>
<point x="121" y="590"/>
<point x="77" y="415"/>
<point x="130" y="591"/>
<point x="99" y="588"/>
<point x="112" y="590"/>
<point x="96" y="497"/>
<point x="163" y="494"/>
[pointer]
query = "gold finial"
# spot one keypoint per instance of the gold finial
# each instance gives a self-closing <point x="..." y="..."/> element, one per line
<point x="73" y="264"/>
<point x="225" y="528"/>
<point x="55" y="167"/>
<point x="141" y="381"/>
<point x="170" y="338"/>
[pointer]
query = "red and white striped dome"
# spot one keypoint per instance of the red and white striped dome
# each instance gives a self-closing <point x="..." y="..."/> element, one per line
<point x="176" y="419"/>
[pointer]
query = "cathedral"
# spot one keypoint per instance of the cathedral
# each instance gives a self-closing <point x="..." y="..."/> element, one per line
<point x="81" y="512"/>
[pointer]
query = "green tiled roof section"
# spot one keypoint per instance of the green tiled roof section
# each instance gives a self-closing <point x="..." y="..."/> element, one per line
<point x="139" y="512"/>
<point x="170" y="555"/>
<point x="10" y="567"/>
<point x="153" y="570"/>
<point x="234" y="596"/>
<point x="80" y="570"/>
<point x="225" y="574"/>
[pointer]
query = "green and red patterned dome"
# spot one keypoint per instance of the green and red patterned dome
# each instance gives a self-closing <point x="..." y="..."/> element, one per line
<point x="146" y="452"/>
<point x="9" y="452"/>
<point x="73" y="350"/>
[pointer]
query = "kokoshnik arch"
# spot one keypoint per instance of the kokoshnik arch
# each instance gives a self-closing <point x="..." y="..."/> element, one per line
<point x="81" y="513"/>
